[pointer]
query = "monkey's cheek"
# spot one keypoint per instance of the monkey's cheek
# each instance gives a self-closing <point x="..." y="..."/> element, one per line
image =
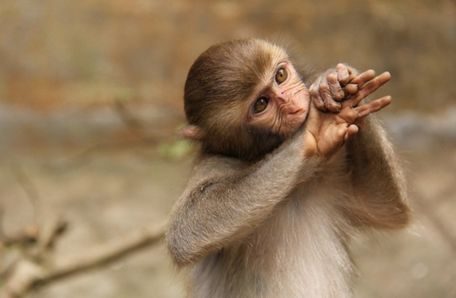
<point x="303" y="117"/>
<point x="303" y="100"/>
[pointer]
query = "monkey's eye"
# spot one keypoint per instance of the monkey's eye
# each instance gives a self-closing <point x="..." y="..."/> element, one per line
<point x="260" y="104"/>
<point x="281" y="75"/>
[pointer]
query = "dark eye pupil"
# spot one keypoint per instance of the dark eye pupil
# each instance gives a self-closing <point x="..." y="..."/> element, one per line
<point x="260" y="105"/>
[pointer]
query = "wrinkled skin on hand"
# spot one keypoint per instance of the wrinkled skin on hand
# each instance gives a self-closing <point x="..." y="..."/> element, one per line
<point x="336" y="111"/>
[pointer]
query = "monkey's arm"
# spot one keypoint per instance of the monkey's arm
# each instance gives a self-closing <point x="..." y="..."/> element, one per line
<point x="377" y="180"/>
<point x="225" y="201"/>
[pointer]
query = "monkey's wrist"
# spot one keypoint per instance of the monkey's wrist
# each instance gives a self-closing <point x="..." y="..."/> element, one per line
<point x="309" y="145"/>
<point x="325" y="152"/>
<point x="308" y="153"/>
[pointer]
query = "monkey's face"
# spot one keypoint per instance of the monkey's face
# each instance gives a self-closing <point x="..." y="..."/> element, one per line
<point x="243" y="98"/>
<point x="281" y="101"/>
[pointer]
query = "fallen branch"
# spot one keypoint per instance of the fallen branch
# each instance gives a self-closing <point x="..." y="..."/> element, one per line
<point x="24" y="237"/>
<point x="49" y="235"/>
<point x="30" y="275"/>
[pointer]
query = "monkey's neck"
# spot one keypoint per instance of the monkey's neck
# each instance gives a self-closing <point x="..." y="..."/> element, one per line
<point x="246" y="143"/>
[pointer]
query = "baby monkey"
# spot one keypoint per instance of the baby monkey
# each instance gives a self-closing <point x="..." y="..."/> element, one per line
<point x="286" y="175"/>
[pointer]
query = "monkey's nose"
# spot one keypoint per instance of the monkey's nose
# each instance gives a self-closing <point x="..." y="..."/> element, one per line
<point x="282" y="99"/>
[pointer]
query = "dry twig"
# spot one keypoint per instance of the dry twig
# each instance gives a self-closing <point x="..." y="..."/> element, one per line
<point x="30" y="274"/>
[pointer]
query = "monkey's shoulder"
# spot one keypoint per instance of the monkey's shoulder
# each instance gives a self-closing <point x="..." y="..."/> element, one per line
<point x="217" y="164"/>
<point x="214" y="167"/>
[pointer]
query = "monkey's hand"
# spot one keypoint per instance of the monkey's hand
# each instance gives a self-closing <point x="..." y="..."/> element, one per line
<point x="332" y="87"/>
<point x="325" y="133"/>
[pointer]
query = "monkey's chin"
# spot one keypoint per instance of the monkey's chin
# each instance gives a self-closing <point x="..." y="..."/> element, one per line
<point x="300" y="118"/>
<point x="293" y="123"/>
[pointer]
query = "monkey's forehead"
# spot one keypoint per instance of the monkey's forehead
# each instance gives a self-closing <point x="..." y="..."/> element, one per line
<point x="257" y="56"/>
<point x="246" y="65"/>
<point x="273" y="49"/>
<point x="269" y="56"/>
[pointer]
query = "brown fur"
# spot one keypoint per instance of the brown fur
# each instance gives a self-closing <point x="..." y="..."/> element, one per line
<point x="279" y="226"/>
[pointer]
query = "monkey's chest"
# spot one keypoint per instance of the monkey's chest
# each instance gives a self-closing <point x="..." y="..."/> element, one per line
<point x="297" y="252"/>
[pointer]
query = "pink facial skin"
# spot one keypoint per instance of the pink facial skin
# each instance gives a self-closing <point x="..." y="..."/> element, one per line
<point x="287" y="103"/>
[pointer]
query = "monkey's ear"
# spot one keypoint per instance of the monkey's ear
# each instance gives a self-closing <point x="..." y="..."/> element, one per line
<point x="192" y="132"/>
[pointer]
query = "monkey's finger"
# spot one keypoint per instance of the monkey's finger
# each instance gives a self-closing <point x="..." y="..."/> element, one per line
<point x="369" y="88"/>
<point x="315" y="95"/>
<point x="351" y="131"/>
<point x="352" y="76"/>
<point x="333" y="138"/>
<point x="353" y="73"/>
<point x="349" y="115"/>
<point x="343" y="74"/>
<point x="373" y="106"/>
<point x="350" y="88"/>
<point x="341" y="135"/>
<point x="335" y="87"/>
<point x="325" y="93"/>
<point x="363" y="77"/>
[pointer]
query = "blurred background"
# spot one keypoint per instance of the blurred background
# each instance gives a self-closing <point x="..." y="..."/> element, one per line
<point x="91" y="99"/>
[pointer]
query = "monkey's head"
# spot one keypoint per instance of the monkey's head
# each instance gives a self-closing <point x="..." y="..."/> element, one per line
<point x="243" y="98"/>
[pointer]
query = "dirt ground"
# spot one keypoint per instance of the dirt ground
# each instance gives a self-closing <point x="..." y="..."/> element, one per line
<point x="110" y="191"/>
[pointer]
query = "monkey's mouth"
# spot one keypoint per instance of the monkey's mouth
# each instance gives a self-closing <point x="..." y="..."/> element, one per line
<point x="296" y="111"/>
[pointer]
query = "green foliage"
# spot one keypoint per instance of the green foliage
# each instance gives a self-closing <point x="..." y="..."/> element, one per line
<point x="175" y="150"/>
